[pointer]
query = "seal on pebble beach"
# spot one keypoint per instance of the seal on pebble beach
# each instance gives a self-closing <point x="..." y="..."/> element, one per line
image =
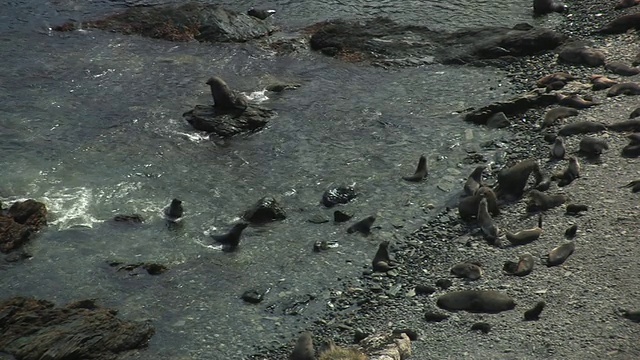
<point x="363" y="226"/>
<point x="560" y="254"/>
<point x="542" y="7"/>
<point x="421" y="171"/>
<point x="474" y="181"/>
<point x="558" y="149"/>
<point x="541" y="201"/>
<point x="486" y="223"/>
<point x="382" y="260"/>
<point x="557" y="113"/>
<point x="304" y="348"/>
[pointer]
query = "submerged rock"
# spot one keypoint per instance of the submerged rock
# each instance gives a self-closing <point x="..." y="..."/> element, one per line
<point x="227" y="123"/>
<point x="21" y="220"/>
<point x="188" y="22"/>
<point x="265" y="210"/>
<point x="37" y="329"/>
<point x="338" y="195"/>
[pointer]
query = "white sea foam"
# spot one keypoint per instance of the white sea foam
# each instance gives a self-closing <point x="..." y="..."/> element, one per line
<point x="70" y="207"/>
<point x="196" y="137"/>
<point x="258" y="96"/>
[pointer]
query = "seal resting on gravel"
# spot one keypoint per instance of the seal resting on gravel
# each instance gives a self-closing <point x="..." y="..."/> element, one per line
<point x="468" y="206"/>
<point x="542" y="7"/>
<point x="620" y="68"/>
<point x="553" y="78"/>
<point x="523" y="237"/>
<point x="474" y="181"/>
<point x="223" y="97"/>
<point x="558" y="113"/>
<point x="627" y="88"/>
<point x="304" y="348"/>
<point x="601" y="82"/>
<point x="534" y="313"/>
<point x="560" y="254"/>
<point x="513" y="180"/>
<point x="363" y="226"/>
<point x="421" y="171"/>
<point x="482" y="301"/>
<point x="622" y="4"/>
<point x="382" y="261"/>
<point x="523" y="267"/>
<point x="581" y="127"/>
<point x="467" y="270"/>
<point x="541" y="201"/>
<point x="557" y="149"/>
<point x="575" y="101"/>
<point x="486" y="223"/>
<point x="592" y="147"/>
<point x="569" y="174"/>
<point x="634" y="185"/>
<point x="575" y="209"/>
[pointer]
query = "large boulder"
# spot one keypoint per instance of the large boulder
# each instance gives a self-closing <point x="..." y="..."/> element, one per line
<point x="384" y="41"/>
<point x="227" y="123"/>
<point x="265" y="210"/>
<point x="35" y="329"/>
<point x="191" y="21"/>
<point x="21" y="220"/>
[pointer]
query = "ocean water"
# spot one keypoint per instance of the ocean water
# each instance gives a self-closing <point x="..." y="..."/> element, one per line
<point x="91" y="124"/>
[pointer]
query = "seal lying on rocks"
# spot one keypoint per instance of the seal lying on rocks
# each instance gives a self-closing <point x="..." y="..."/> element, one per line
<point x="421" y="171"/>
<point x="523" y="267"/>
<point x="622" y="24"/>
<point x="474" y="181"/>
<point x="541" y="7"/>
<point x="569" y="174"/>
<point x="231" y="239"/>
<point x="575" y="209"/>
<point x="541" y="201"/>
<point x="601" y="82"/>
<point x="634" y="185"/>
<point x="575" y="101"/>
<point x="571" y="231"/>
<point x="622" y="4"/>
<point x="620" y="68"/>
<point x="174" y="211"/>
<point x="486" y="223"/>
<point x="555" y="114"/>
<point x="513" y="180"/>
<point x="560" y="254"/>
<point x="592" y="146"/>
<point x="635" y="113"/>
<point x="223" y="97"/>
<point x="483" y="301"/>
<point x="558" y="149"/>
<point x="553" y="78"/>
<point x="467" y="270"/>
<point x="304" y="348"/>
<point x="363" y="226"/>
<point x="524" y="237"/>
<point x="627" y="88"/>
<point x="581" y="127"/>
<point x="382" y="261"/>
<point x="468" y="206"/>
<point x="534" y="313"/>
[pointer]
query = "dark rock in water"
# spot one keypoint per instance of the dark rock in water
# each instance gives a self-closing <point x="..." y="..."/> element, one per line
<point x="389" y="43"/>
<point x="512" y="107"/>
<point x="253" y="296"/>
<point x="580" y="53"/>
<point x="560" y="254"/>
<point x="21" y="220"/>
<point x="37" y="329"/>
<point x="16" y="256"/>
<point x="339" y="195"/>
<point x="483" y="301"/>
<point x="154" y="269"/>
<point x="260" y="13"/>
<point x="482" y="326"/>
<point x="498" y="121"/>
<point x="341" y="216"/>
<point x="280" y="87"/>
<point x="425" y="290"/>
<point x="432" y="316"/>
<point x="265" y="210"/>
<point x="131" y="219"/>
<point x="534" y="313"/>
<point x="134" y="269"/>
<point x="444" y="284"/>
<point x="188" y="22"/>
<point x="227" y="123"/>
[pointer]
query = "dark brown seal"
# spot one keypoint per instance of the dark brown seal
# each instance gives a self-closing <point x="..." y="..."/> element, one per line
<point x="623" y="4"/>
<point x="622" y="24"/>
<point x="483" y="301"/>
<point x="225" y="98"/>
<point x="634" y="185"/>
<point x="513" y="180"/>
<point x="560" y="254"/>
<point x="304" y="348"/>
<point x="620" y="68"/>
<point x="601" y="82"/>
<point x="382" y="260"/>
<point x="534" y="313"/>
<point x="575" y="209"/>
<point x="363" y="226"/>
<point x="468" y="206"/>
<point x="575" y="101"/>
<point x="474" y="181"/>
<point x="555" y="114"/>
<point x="523" y="237"/>
<point x="635" y="113"/>
<point x="541" y="7"/>
<point x="421" y="171"/>
<point x="581" y="127"/>
<point x="523" y="267"/>
<point x="555" y="77"/>
<point x="486" y="223"/>
<point x="591" y="146"/>
<point x="231" y="240"/>
<point x="542" y="202"/>
<point x="467" y="270"/>
<point x="627" y="88"/>
<point x="174" y="211"/>
<point x="571" y="231"/>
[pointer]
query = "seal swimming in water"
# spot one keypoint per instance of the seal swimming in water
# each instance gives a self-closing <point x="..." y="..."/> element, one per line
<point x="382" y="261"/>
<point x="174" y="211"/>
<point x="488" y="227"/>
<point x="556" y="114"/>
<point x="304" y="348"/>
<point x="474" y="181"/>
<point x="421" y="171"/>
<point x="542" y="7"/>
<point x="558" y="149"/>
<point x="225" y="98"/>
<point x="260" y="13"/>
<point x="231" y="239"/>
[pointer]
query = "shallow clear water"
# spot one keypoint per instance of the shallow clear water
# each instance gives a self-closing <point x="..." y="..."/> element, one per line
<point x="91" y="124"/>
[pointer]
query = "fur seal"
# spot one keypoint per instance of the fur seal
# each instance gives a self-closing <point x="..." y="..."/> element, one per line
<point x="620" y="68"/>
<point x="341" y="216"/>
<point x="513" y="180"/>
<point x="523" y="237"/>
<point x="558" y="149"/>
<point x="474" y="181"/>
<point x="231" y="239"/>
<point x="556" y="85"/>
<point x="635" y="113"/>
<point x="633" y="315"/>
<point x="625" y="125"/>
<point x="467" y="270"/>
<point x="581" y="127"/>
<point x="631" y="151"/>
<point x="523" y="267"/>
<point x="556" y="114"/>
<point x="634" y="139"/>
<point x="174" y="211"/>
<point x="541" y="201"/>
<point x="627" y="88"/>
<point x="592" y="147"/>
<point x="489" y="228"/>
<point x="569" y="174"/>
<point x="485" y="327"/>
<point x="559" y="255"/>
<point x="575" y="101"/>
<point x="225" y="98"/>
<point x="555" y="77"/>
<point x="421" y="171"/>
<point x="260" y="13"/>
<point x="468" y="206"/>
<point x="634" y="185"/>
<point x="575" y="209"/>
<point x="601" y="82"/>
<point x="363" y="226"/>
<point x="544" y="185"/>
<point x="571" y="231"/>
<point x="382" y="261"/>
<point x="304" y="348"/>
<point x="622" y="24"/>
<point x="534" y="313"/>
<point x="483" y="301"/>
<point x="542" y="7"/>
<point x="622" y="4"/>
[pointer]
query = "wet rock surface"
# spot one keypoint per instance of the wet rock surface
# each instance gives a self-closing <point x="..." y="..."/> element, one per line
<point x="20" y="222"/>
<point x="265" y="210"/>
<point x="37" y="329"/>
<point x="191" y="21"/>
<point x="227" y="123"/>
